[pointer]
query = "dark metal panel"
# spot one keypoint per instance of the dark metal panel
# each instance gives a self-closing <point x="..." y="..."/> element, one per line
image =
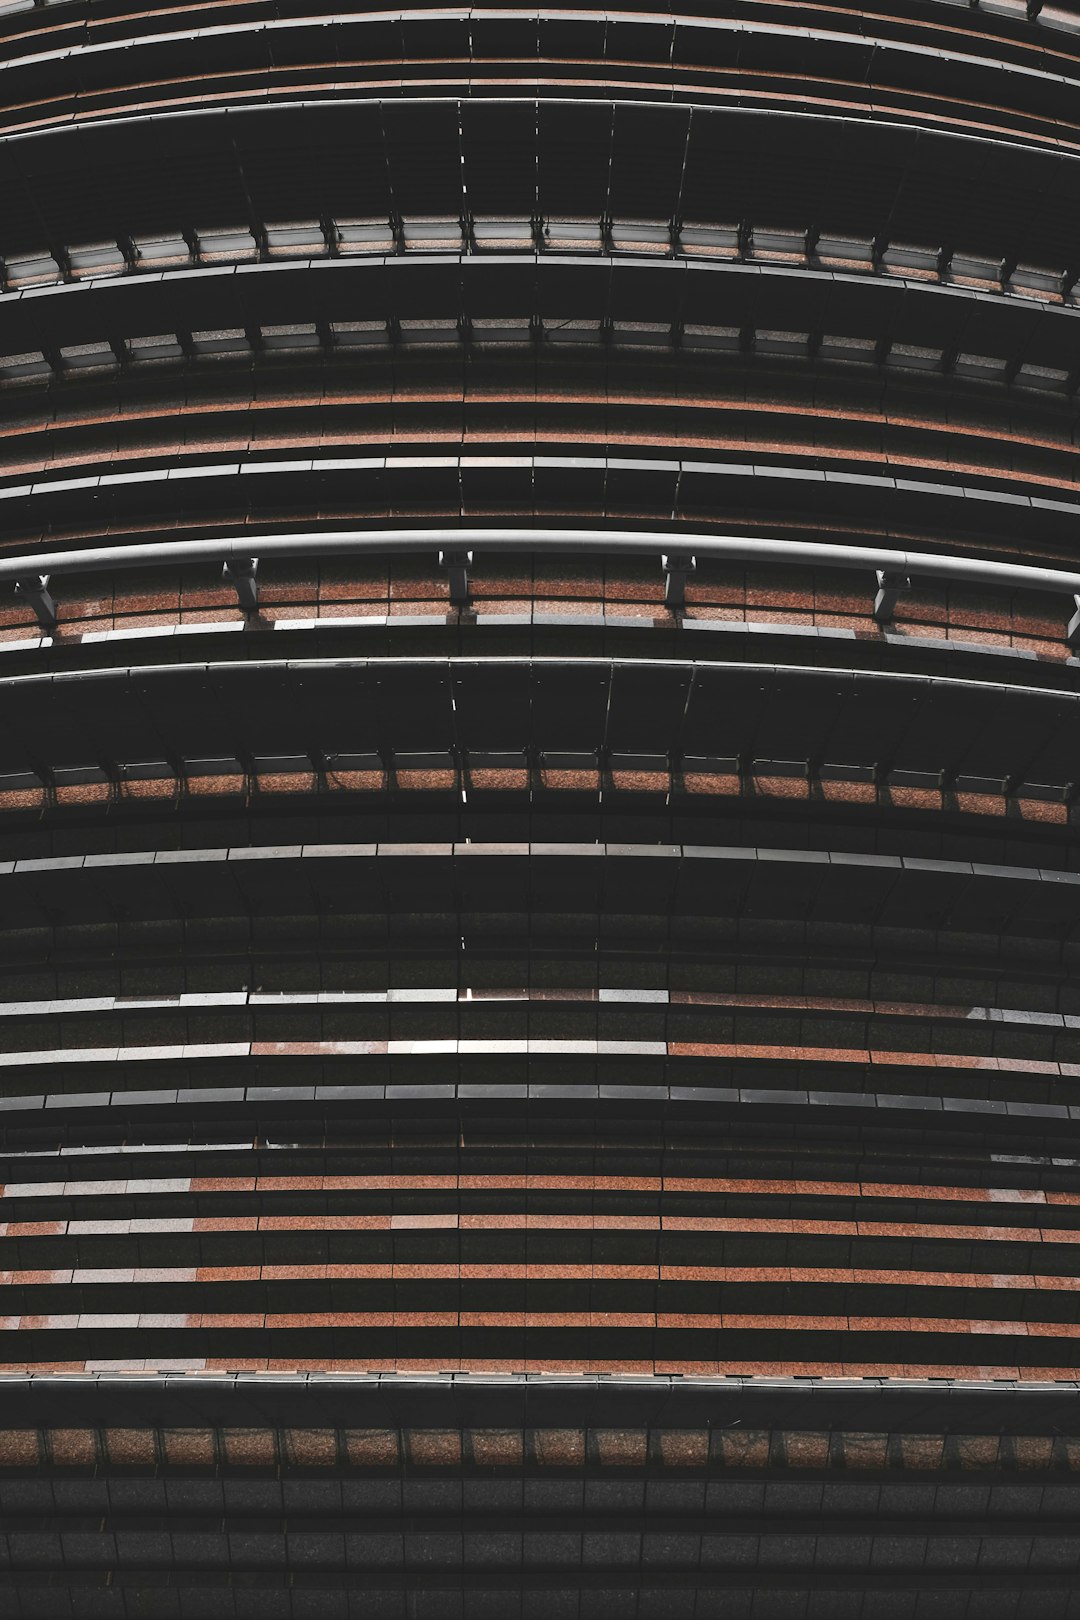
<point x="574" y="146"/>
<point x="500" y="153"/>
<point x="493" y="705"/>
<point x="648" y="153"/>
<point x="568" y="712"/>
<point x="426" y="176"/>
<point x="646" y="709"/>
<point x="874" y="720"/>
<point x="725" y="713"/>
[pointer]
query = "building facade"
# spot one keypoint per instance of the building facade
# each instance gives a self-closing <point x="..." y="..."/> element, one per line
<point x="539" y="753"/>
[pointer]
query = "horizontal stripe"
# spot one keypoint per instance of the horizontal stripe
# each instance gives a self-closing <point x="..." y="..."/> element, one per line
<point x="169" y="478"/>
<point x="318" y="1222"/>
<point x="401" y="1098"/>
<point x="964" y="462"/>
<point x="594" y="1321"/>
<point x="488" y="617"/>
<point x="480" y="996"/>
<point x="568" y="1367"/>
<point x="698" y="419"/>
<point x="535" y="1046"/>
<point x="239" y="856"/>
<point x="603" y="1184"/>
<point x="216" y="1276"/>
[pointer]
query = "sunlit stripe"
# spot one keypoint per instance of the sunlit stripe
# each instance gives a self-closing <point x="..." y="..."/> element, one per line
<point x="595" y="1321"/>
<point x="195" y="1002"/>
<point x="319" y="1222"/>
<point x="534" y="1046"/>
<point x="602" y="1185"/>
<point x="219" y="1276"/>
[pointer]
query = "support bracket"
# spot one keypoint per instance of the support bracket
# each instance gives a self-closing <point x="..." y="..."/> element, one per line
<point x="242" y="574"/>
<point x="890" y="587"/>
<point x="1072" y="630"/>
<point x="34" y="591"/>
<point x="677" y="571"/>
<point x="457" y="565"/>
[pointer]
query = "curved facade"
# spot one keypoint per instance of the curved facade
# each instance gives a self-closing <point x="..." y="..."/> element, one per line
<point x="539" y="736"/>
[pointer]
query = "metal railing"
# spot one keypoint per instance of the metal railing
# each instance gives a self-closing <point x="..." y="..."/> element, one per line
<point x="34" y="574"/>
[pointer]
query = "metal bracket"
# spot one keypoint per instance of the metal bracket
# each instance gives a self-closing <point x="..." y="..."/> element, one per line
<point x="677" y="570"/>
<point x="242" y="574"/>
<point x="457" y="565"/>
<point x="1072" y="629"/>
<point x="35" y="592"/>
<point x="890" y="587"/>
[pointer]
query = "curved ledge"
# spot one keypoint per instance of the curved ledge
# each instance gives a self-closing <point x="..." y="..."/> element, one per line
<point x="947" y="875"/>
<point x="721" y="637"/>
<point x="443" y="1399"/>
<point x="477" y="1099"/>
<point x="872" y="317"/>
<point x="540" y="541"/>
<point x="554" y="851"/>
<point x="605" y="714"/>
<point x="587" y="156"/>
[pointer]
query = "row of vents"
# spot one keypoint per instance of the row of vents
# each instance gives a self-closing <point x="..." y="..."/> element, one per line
<point x="379" y="237"/>
<point x="590" y="763"/>
<point x="240" y="344"/>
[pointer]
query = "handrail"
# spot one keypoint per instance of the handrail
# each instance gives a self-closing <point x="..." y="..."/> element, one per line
<point x="675" y="544"/>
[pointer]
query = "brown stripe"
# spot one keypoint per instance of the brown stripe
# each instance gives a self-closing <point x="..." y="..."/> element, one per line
<point x="596" y="1321"/>
<point x="699" y="1369"/>
<point x="496" y="1272"/>
<point x="585" y="1047"/>
<point x="539" y="1223"/>
<point x="777" y="1187"/>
